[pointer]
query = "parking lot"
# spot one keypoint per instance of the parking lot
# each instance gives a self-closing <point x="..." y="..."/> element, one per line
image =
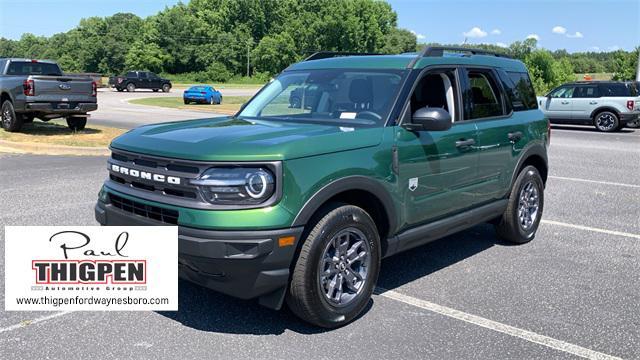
<point x="572" y="292"/>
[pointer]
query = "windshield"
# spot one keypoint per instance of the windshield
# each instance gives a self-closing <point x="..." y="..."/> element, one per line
<point x="340" y="96"/>
<point x="33" y="68"/>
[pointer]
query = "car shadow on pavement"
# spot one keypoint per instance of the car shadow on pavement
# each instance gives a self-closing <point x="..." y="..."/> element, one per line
<point x="206" y="310"/>
<point x="587" y="128"/>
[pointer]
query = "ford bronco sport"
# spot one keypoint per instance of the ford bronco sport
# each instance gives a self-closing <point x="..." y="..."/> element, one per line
<point x="298" y="202"/>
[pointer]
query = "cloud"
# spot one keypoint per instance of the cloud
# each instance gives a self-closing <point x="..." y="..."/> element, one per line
<point x="533" y="36"/>
<point x="577" y="35"/>
<point x="502" y="44"/>
<point x="559" y="30"/>
<point x="418" y="36"/>
<point x="594" y="48"/>
<point x="613" y="48"/>
<point x="475" y="32"/>
<point x="496" y="32"/>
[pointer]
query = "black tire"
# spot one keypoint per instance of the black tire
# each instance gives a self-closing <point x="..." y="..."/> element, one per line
<point x="606" y="121"/>
<point x="119" y="89"/>
<point x="166" y="88"/>
<point x="76" y="123"/>
<point x="10" y="122"/>
<point x="220" y="101"/>
<point x="212" y="101"/>
<point x="510" y="226"/>
<point x="306" y="296"/>
<point x="186" y="102"/>
<point x="155" y="90"/>
<point x="131" y="87"/>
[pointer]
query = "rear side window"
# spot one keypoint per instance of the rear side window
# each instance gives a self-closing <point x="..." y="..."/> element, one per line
<point x="586" y="92"/>
<point x="131" y="74"/>
<point x="143" y="75"/>
<point x="486" y="99"/>
<point x="615" y="89"/>
<point x="33" y="68"/>
<point x="519" y="90"/>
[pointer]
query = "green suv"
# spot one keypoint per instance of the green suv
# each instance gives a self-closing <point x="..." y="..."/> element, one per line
<point x="298" y="201"/>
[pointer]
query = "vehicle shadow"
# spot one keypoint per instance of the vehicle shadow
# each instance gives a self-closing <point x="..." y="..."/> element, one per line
<point x="206" y="310"/>
<point x="42" y="128"/>
<point x="587" y="128"/>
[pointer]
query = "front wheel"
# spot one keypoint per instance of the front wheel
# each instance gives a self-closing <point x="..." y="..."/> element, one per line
<point x="76" y="123"/>
<point x="606" y="121"/>
<point x="337" y="268"/>
<point x="166" y="88"/>
<point x="10" y="122"/>
<point x="520" y="220"/>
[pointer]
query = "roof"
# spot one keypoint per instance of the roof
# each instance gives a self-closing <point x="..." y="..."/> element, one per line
<point x="402" y="61"/>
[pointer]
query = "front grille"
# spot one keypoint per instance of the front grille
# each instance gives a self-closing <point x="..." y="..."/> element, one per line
<point x="152" y="212"/>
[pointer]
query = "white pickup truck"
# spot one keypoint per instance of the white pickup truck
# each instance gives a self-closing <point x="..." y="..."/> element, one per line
<point x="607" y="105"/>
<point x="38" y="89"/>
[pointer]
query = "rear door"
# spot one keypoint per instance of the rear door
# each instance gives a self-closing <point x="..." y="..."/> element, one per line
<point x="585" y="100"/>
<point x="558" y="104"/>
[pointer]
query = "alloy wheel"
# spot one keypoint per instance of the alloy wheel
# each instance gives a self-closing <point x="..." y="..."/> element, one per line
<point x="7" y="118"/>
<point x="605" y="122"/>
<point x="344" y="267"/>
<point x="529" y="203"/>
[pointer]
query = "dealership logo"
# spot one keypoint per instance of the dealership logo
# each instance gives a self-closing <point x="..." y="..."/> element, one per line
<point x="145" y="175"/>
<point x="115" y="270"/>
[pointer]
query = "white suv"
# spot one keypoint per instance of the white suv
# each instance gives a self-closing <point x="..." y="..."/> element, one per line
<point x="607" y="105"/>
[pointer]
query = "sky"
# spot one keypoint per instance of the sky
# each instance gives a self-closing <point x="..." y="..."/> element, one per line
<point x="575" y="25"/>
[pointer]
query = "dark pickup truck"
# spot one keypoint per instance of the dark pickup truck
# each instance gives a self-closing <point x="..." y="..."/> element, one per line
<point x="38" y="88"/>
<point x="139" y="80"/>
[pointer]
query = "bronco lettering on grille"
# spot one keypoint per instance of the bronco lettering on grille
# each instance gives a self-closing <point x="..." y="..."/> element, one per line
<point x="145" y="175"/>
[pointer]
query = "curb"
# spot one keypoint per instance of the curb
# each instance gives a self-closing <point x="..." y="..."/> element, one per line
<point x="51" y="149"/>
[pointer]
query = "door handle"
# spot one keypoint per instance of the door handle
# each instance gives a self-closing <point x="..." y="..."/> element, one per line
<point x="564" y="102"/>
<point x="515" y="136"/>
<point x="465" y="143"/>
<point x="593" y="102"/>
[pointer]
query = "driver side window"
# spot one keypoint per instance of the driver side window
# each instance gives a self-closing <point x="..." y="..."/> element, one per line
<point x="436" y="90"/>
<point x="563" y="92"/>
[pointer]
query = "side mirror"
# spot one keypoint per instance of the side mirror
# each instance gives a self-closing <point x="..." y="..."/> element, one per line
<point x="430" y="119"/>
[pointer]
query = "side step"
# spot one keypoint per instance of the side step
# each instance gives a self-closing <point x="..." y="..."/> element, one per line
<point x="426" y="233"/>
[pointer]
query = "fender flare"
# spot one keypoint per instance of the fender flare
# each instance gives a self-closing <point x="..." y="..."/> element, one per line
<point x="355" y="182"/>
<point x="536" y="149"/>
<point x="605" y="108"/>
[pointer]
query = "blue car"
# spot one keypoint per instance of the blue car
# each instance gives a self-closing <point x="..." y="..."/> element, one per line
<point x="202" y="94"/>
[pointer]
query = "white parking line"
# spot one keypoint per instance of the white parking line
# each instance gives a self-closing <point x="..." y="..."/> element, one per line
<point x="588" y="228"/>
<point x="594" y="181"/>
<point x="34" y="321"/>
<point x="495" y="326"/>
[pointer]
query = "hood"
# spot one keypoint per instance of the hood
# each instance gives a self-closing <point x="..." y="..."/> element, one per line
<point x="231" y="139"/>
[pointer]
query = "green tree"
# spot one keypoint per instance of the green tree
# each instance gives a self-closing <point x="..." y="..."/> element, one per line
<point x="398" y="41"/>
<point x="274" y="53"/>
<point x="145" y="56"/>
<point x="625" y="65"/>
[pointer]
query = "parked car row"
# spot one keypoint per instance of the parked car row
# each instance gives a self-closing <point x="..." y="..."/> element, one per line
<point x="607" y="105"/>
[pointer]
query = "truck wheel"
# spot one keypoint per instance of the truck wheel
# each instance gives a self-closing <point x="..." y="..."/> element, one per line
<point x="10" y="122"/>
<point x="76" y="123"/>
<point x="520" y="220"/>
<point x="337" y="268"/>
<point x="166" y="88"/>
<point x="606" y="121"/>
<point x="131" y="87"/>
<point x="120" y="89"/>
<point x="155" y="90"/>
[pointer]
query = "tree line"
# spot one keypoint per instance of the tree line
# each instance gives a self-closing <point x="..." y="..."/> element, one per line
<point x="216" y="40"/>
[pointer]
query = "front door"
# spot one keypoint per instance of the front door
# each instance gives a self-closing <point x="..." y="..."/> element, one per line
<point x="559" y="104"/>
<point x="437" y="170"/>
<point x="585" y="100"/>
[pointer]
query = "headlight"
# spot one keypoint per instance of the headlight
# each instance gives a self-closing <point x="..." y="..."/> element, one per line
<point x="236" y="185"/>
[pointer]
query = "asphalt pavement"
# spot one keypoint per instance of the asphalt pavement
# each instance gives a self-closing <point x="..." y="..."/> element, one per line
<point x="115" y="110"/>
<point x="572" y="292"/>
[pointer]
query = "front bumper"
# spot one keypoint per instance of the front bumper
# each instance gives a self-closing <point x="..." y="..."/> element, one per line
<point x="61" y="108"/>
<point x="243" y="264"/>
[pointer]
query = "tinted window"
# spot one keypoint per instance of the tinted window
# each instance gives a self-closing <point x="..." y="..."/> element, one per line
<point x="131" y="74"/>
<point x="615" y="89"/>
<point x="143" y="75"/>
<point x="152" y="76"/>
<point x="33" y="68"/>
<point x="524" y="96"/>
<point x="485" y="95"/>
<point x="586" y="92"/>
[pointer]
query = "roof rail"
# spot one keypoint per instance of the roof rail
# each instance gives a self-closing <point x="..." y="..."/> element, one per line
<point x="331" y="54"/>
<point x="438" y="51"/>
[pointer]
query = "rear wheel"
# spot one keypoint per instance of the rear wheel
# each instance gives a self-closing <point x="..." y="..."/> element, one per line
<point x="131" y="87"/>
<point x="520" y="220"/>
<point x="155" y="90"/>
<point x="186" y="102"/>
<point x="166" y="88"/>
<point x="119" y="89"/>
<point x="10" y="122"/>
<point x="606" y="121"/>
<point x="76" y="123"/>
<point x="337" y="268"/>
